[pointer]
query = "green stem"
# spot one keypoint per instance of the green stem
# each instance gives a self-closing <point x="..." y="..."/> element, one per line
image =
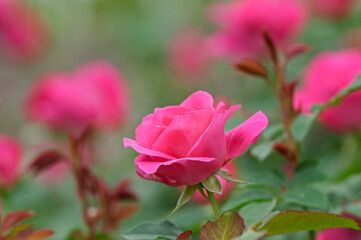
<point x="213" y="202"/>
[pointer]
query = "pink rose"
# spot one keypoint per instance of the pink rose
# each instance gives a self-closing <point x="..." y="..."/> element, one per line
<point x="227" y="186"/>
<point x="187" y="55"/>
<point x="333" y="8"/>
<point x="341" y="233"/>
<point x="95" y="95"/>
<point x="325" y="76"/>
<point x="241" y="23"/>
<point x="21" y="31"/>
<point x="185" y="144"/>
<point x="10" y="157"/>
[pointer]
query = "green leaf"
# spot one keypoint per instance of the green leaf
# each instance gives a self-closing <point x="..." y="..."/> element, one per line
<point x="246" y="196"/>
<point x="153" y="231"/>
<point x="308" y="197"/>
<point x="255" y="211"/>
<point x="296" y="221"/>
<point x="262" y="151"/>
<point x="186" y="195"/>
<point x="229" y="226"/>
<point x="306" y="177"/>
<point x="275" y="178"/>
<point x="251" y="235"/>
<point x="223" y="173"/>
<point x="303" y="123"/>
<point x="213" y="184"/>
<point x="273" y="131"/>
<point x="233" y="122"/>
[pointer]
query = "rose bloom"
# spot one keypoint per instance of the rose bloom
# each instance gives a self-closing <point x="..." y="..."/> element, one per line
<point x="22" y="33"/>
<point x="341" y="233"/>
<point x="325" y="76"/>
<point x="241" y="23"/>
<point x="93" y="96"/>
<point x="185" y="144"/>
<point x="333" y="8"/>
<point x="10" y="157"/>
<point x="227" y="186"/>
<point x="187" y="55"/>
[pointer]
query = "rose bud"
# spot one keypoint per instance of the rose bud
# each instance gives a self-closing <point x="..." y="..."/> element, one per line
<point x="341" y="233"/>
<point x="186" y="144"/>
<point x="22" y="33"/>
<point x="242" y="22"/>
<point x="95" y="96"/>
<point x="10" y="158"/>
<point x="325" y="76"/>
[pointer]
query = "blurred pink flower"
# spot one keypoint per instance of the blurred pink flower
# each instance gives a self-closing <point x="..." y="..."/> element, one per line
<point x="325" y="76"/>
<point x="341" y="233"/>
<point x="333" y="8"/>
<point x="21" y="32"/>
<point x="226" y="186"/>
<point x="187" y="55"/>
<point x="241" y="23"/>
<point x="94" y="96"/>
<point x="10" y="158"/>
<point x="185" y="144"/>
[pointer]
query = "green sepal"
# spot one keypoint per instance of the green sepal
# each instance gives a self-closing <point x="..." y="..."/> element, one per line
<point x="223" y="173"/>
<point x="213" y="184"/>
<point x="186" y="195"/>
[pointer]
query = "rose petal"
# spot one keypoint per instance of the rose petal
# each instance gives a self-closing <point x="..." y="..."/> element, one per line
<point x="212" y="143"/>
<point x="239" y="138"/>
<point x="178" y="138"/>
<point x="185" y="171"/>
<point x="198" y="100"/>
<point x="131" y="143"/>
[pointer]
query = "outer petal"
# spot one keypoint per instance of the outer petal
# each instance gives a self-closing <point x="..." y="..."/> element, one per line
<point x="212" y="143"/>
<point x="142" y="131"/>
<point x="153" y="177"/>
<point x="239" y="138"/>
<point x="184" y="171"/>
<point x="131" y="143"/>
<point x="178" y="138"/>
<point x="198" y="100"/>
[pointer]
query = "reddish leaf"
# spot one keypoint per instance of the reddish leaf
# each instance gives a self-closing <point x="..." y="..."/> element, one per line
<point x="229" y="226"/>
<point x="252" y="67"/>
<point x="295" y="49"/>
<point x="14" y="218"/>
<point x="123" y="192"/>
<point x="185" y="235"/>
<point x="45" y="160"/>
<point x="39" y="234"/>
<point x="270" y="46"/>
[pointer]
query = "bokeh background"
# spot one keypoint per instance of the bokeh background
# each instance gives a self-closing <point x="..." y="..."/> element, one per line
<point x="135" y="36"/>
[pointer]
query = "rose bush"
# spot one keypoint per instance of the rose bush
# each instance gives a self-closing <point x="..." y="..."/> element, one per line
<point x="95" y="96"/>
<point x="241" y="23"/>
<point x="325" y="76"/>
<point x="185" y="144"/>
<point x="10" y="158"/>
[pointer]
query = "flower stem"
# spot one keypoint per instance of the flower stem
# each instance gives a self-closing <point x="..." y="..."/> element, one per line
<point x="76" y="165"/>
<point x="213" y="202"/>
